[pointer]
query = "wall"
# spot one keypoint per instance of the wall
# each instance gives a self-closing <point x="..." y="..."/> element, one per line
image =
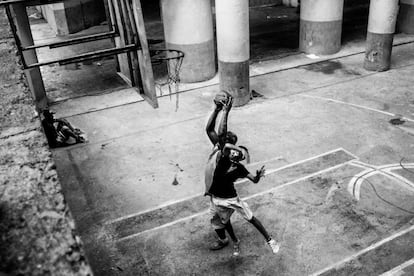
<point x="37" y="231"/>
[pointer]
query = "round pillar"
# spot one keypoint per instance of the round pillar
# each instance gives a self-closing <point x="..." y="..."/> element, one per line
<point x="320" y="26"/>
<point x="381" y="28"/>
<point x="405" y="21"/>
<point x="233" y="49"/>
<point x="188" y="27"/>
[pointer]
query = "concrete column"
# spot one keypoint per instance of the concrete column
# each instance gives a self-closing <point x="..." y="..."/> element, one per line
<point x="33" y="76"/>
<point x="381" y="28"/>
<point x="71" y="16"/>
<point x="233" y="49"/>
<point x="405" y="21"/>
<point x="320" y="26"/>
<point x="188" y="26"/>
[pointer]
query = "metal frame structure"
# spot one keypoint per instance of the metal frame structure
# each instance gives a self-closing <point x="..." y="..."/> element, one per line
<point x="127" y="28"/>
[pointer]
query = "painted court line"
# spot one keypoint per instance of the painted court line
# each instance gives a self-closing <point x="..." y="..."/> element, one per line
<point x="398" y="270"/>
<point x="354" y="185"/>
<point x="369" y="248"/>
<point x="299" y="162"/>
<point x="168" y="203"/>
<point x="358" y="180"/>
<point x="351" y="154"/>
<point x="237" y="182"/>
<point x="245" y="198"/>
<point x="358" y="106"/>
<point x="298" y="180"/>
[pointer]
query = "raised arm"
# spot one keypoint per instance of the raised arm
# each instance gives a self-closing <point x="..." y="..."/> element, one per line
<point x="211" y="124"/>
<point x="222" y="129"/>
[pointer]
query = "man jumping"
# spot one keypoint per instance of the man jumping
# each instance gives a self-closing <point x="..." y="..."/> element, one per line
<point x="223" y="169"/>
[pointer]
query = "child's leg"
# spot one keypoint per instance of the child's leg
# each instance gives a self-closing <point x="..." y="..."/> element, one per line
<point x="259" y="226"/>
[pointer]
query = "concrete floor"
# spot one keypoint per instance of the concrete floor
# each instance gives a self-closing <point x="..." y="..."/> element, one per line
<point x="335" y="194"/>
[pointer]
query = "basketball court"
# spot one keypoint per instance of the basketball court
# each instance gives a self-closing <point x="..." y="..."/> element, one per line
<point x="336" y="141"/>
<point x="337" y="193"/>
<point x="323" y="229"/>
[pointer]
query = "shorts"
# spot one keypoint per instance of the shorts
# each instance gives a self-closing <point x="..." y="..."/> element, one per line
<point x="221" y="210"/>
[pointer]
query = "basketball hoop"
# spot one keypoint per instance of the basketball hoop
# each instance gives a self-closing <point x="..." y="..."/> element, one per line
<point x="173" y="60"/>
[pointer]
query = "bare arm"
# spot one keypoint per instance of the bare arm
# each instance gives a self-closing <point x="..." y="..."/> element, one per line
<point x="211" y="124"/>
<point x="222" y="129"/>
<point x="259" y="174"/>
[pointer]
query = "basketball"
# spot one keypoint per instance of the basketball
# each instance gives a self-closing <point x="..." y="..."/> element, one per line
<point x="221" y="98"/>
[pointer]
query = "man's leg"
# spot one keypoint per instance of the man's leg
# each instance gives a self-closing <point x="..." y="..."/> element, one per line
<point x="219" y="228"/>
<point x="222" y="241"/>
<point x="259" y="226"/>
<point x="236" y="241"/>
<point x="271" y="242"/>
<point x="243" y="208"/>
<point x="221" y="233"/>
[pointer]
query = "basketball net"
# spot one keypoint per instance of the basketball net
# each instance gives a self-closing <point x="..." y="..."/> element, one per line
<point x="171" y="83"/>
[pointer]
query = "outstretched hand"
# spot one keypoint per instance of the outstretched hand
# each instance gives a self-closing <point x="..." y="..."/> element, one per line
<point x="260" y="173"/>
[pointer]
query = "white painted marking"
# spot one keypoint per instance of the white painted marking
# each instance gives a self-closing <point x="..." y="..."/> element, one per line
<point x="163" y="226"/>
<point x="237" y="182"/>
<point x="172" y="202"/>
<point x="369" y="248"/>
<point x="245" y="198"/>
<point x="358" y="184"/>
<point x="356" y="105"/>
<point x="266" y="161"/>
<point x="398" y="270"/>
<point x="400" y="178"/>
<point x="354" y="185"/>
<point x="297" y="180"/>
<point x="351" y="154"/>
<point x="365" y="165"/>
<point x="357" y="164"/>
<point x="301" y="161"/>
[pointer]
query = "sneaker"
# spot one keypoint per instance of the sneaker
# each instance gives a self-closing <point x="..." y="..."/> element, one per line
<point x="273" y="245"/>
<point x="219" y="244"/>
<point x="236" y="248"/>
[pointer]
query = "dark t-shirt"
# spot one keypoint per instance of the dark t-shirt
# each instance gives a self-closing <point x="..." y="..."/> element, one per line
<point x="225" y="176"/>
